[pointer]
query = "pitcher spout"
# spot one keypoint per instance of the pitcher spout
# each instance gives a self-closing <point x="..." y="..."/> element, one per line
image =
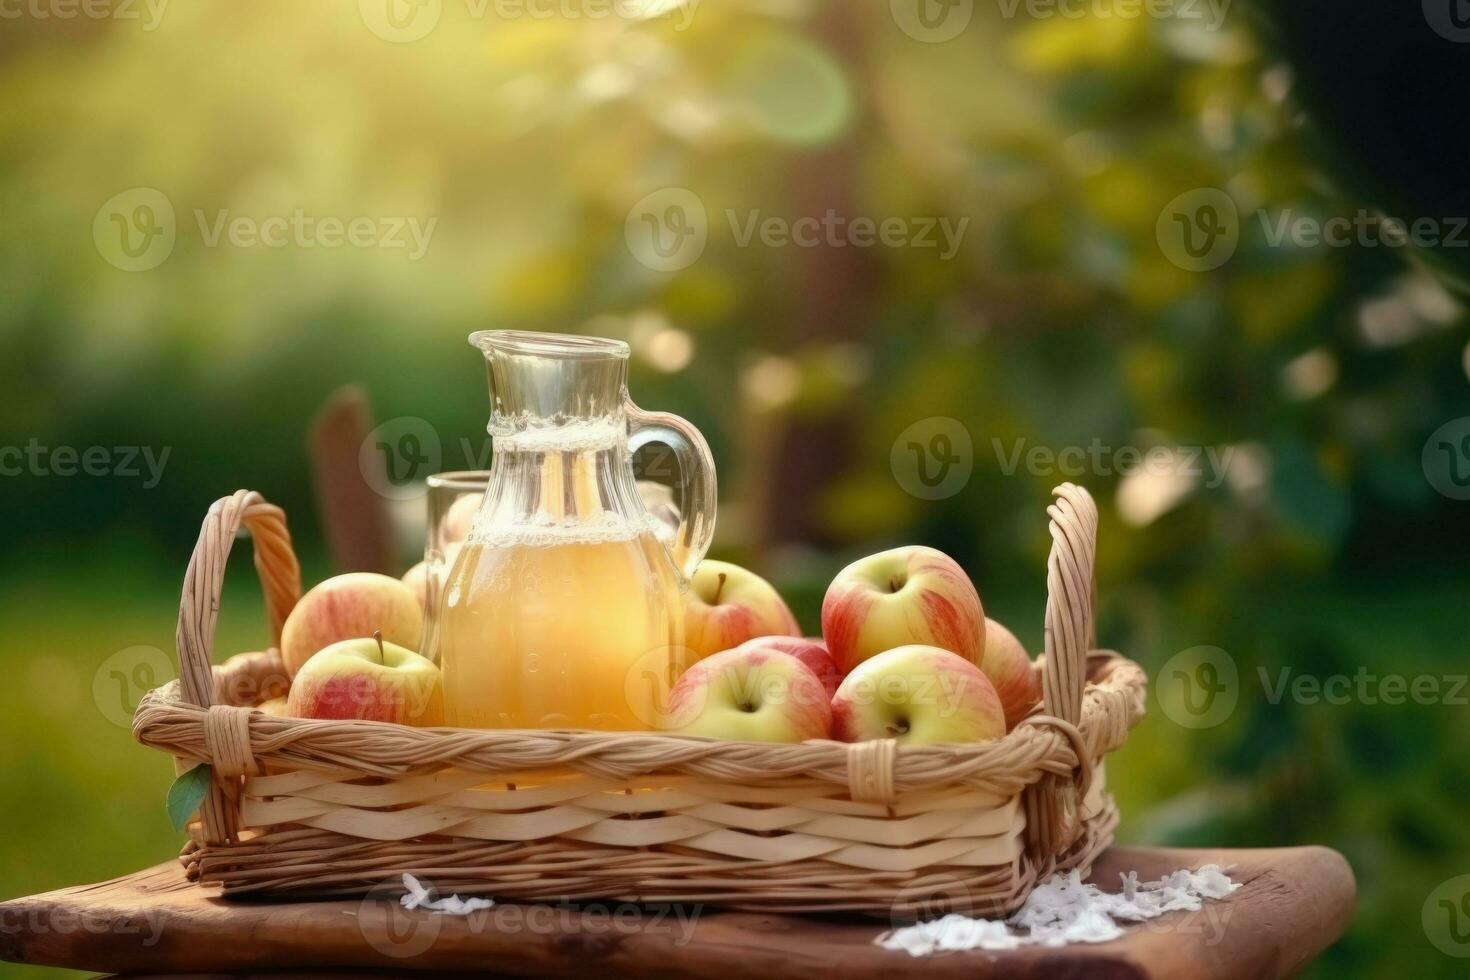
<point x="542" y="380"/>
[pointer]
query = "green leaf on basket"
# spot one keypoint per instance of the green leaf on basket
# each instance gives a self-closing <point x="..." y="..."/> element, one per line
<point x="187" y="793"/>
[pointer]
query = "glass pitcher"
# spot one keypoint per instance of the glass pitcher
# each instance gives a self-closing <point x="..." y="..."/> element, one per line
<point x="564" y="609"/>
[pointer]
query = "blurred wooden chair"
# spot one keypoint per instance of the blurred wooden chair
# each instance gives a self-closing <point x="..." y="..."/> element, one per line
<point x="354" y="514"/>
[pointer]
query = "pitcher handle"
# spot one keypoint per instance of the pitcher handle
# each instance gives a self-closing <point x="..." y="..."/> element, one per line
<point x="696" y="486"/>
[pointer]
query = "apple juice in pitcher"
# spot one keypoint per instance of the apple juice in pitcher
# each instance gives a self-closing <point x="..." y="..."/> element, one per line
<point x="564" y="609"/>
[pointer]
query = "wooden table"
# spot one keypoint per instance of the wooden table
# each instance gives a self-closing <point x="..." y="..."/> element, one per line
<point x="1294" y="904"/>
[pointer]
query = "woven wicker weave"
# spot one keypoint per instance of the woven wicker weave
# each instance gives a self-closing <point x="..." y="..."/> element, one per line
<point x="340" y="807"/>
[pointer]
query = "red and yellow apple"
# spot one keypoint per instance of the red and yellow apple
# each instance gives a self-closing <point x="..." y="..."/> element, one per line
<point x="275" y="707"/>
<point x="752" y="695"/>
<point x="1009" y="668"/>
<point x="371" y="680"/>
<point x="348" y="607"/>
<point x="917" y="695"/>
<point x="811" y="651"/>
<point x="417" y="578"/>
<point x="728" y="605"/>
<point x="901" y="597"/>
<point x="460" y="517"/>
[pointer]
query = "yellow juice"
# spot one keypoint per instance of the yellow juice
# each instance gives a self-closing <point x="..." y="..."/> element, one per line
<point x="562" y="623"/>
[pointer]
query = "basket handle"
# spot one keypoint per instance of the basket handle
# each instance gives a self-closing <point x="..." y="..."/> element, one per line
<point x="280" y="577"/>
<point x="1071" y="631"/>
<point x="275" y="563"/>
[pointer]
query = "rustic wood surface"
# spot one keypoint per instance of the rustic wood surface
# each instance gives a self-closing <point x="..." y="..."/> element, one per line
<point x="1294" y="904"/>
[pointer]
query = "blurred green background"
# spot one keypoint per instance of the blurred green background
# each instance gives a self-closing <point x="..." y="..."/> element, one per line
<point x="531" y="136"/>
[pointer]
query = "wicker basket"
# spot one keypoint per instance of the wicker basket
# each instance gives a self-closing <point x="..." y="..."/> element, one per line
<point x="341" y="807"/>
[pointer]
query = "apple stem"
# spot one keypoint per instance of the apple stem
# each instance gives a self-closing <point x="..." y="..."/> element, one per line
<point x="378" y="635"/>
<point x="718" y="589"/>
<point x="894" y="584"/>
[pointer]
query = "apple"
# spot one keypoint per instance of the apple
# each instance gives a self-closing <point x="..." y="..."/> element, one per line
<point x="275" y="707"/>
<point x="460" y="518"/>
<point x="417" y="578"/>
<point x="901" y="597"/>
<point x="811" y="651"/>
<point x="369" y="679"/>
<point x="1008" y="666"/>
<point x="247" y="678"/>
<point x="348" y="607"/>
<point x="728" y="605"/>
<point x="751" y="695"/>
<point x="917" y="695"/>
